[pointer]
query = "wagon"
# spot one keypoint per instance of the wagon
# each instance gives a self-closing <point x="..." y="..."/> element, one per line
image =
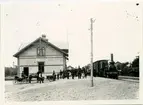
<point x="49" y="77"/>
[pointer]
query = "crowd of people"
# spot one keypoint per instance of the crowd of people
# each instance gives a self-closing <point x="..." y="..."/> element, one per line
<point x="80" y="73"/>
<point x="62" y="74"/>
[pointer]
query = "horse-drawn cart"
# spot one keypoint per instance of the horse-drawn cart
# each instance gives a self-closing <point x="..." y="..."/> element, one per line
<point x="50" y="77"/>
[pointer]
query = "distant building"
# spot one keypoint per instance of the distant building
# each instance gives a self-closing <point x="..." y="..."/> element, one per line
<point x="41" y="55"/>
<point x="70" y="68"/>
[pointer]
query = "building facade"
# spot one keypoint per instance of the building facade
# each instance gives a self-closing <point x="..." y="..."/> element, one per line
<point x="41" y="55"/>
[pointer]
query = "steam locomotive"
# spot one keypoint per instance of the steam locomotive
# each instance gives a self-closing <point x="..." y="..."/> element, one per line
<point x="105" y="68"/>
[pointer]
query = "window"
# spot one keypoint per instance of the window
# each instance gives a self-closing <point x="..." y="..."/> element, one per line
<point x="41" y="51"/>
<point x="38" y="51"/>
<point x="101" y="65"/>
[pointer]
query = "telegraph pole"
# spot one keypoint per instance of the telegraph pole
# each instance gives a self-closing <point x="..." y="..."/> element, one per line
<point x="91" y="20"/>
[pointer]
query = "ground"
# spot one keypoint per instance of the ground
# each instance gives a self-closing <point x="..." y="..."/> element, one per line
<point x="104" y="89"/>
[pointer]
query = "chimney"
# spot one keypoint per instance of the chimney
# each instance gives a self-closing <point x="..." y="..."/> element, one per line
<point x="112" y="58"/>
<point x="44" y="37"/>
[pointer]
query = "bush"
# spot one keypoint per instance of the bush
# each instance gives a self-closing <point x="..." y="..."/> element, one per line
<point x="135" y="72"/>
<point x="132" y="70"/>
<point x="9" y="71"/>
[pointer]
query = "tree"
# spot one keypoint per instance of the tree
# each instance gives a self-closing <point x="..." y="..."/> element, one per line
<point x="135" y="66"/>
<point x="9" y="71"/>
<point x="135" y="62"/>
<point x="124" y="68"/>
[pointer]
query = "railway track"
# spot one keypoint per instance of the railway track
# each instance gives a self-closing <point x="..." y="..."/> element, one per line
<point x="129" y="79"/>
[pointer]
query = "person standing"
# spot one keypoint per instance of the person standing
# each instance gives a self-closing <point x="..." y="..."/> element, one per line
<point x="22" y="74"/>
<point x="63" y="74"/>
<point x="79" y="73"/>
<point x="58" y="76"/>
<point x="85" y="73"/>
<point x="72" y="73"/>
<point x="30" y="78"/>
<point x="67" y="75"/>
<point x="54" y="76"/>
<point x="38" y="76"/>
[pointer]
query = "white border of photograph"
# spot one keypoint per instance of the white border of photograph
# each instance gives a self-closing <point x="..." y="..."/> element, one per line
<point x="89" y="102"/>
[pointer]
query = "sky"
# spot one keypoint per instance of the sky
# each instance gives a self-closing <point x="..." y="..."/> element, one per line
<point x="117" y="28"/>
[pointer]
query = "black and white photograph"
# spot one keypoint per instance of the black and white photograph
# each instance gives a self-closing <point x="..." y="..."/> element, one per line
<point x="71" y="50"/>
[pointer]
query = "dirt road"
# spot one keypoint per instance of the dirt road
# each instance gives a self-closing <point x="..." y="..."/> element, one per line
<point x="104" y="89"/>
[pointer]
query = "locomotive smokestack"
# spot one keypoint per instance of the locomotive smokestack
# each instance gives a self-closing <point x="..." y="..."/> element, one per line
<point x="112" y="58"/>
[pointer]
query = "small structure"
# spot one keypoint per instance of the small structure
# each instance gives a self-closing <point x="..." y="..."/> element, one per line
<point x="41" y="55"/>
<point x="70" y="68"/>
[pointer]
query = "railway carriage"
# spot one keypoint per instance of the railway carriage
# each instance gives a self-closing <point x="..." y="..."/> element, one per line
<point x="99" y="68"/>
<point x="105" y="68"/>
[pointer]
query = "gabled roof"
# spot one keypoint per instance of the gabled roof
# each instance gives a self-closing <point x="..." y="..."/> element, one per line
<point x="65" y="50"/>
<point x="26" y="47"/>
<point x="70" y="67"/>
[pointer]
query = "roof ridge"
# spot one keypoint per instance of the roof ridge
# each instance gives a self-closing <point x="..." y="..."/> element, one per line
<point x="39" y="38"/>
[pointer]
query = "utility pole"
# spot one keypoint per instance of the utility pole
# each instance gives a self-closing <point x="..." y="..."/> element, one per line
<point x="91" y="20"/>
<point x="68" y="46"/>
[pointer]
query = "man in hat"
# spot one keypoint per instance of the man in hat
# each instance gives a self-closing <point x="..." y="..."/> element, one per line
<point x="54" y="78"/>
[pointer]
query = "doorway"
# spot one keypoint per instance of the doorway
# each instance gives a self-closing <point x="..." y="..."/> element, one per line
<point x="26" y="71"/>
<point x="41" y="66"/>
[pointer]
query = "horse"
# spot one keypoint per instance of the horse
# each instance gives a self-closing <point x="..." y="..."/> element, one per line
<point x="41" y="79"/>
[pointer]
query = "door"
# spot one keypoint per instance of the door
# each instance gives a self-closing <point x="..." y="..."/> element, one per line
<point x="26" y="71"/>
<point x="41" y="66"/>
